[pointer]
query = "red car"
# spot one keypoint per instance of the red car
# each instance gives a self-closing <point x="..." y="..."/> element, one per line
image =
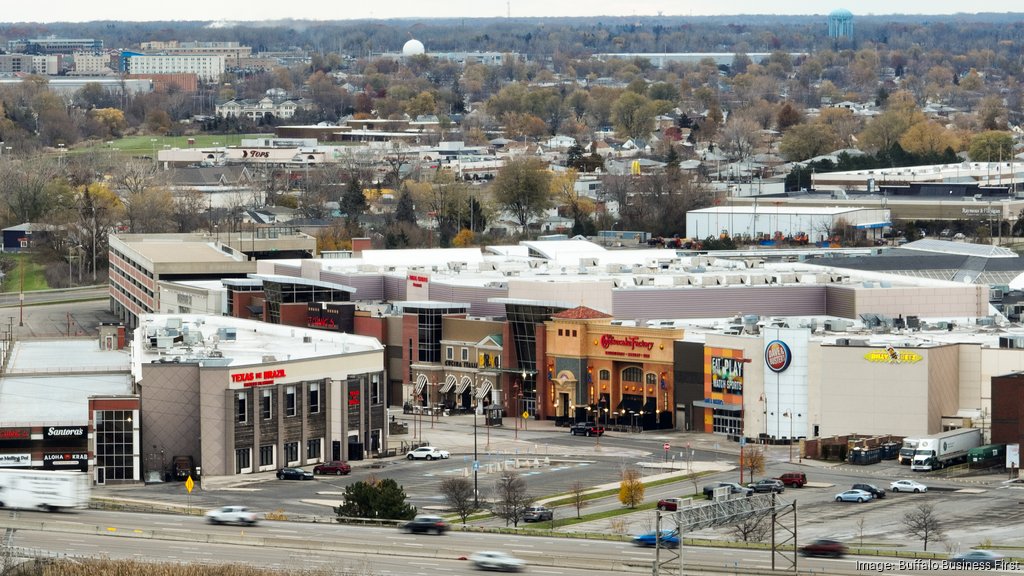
<point x="824" y="547"/>
<point x="336" y="467"/>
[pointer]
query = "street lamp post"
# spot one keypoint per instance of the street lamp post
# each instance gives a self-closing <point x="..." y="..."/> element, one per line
<point x="789" y="414"/>
<point x="476" y="461"/>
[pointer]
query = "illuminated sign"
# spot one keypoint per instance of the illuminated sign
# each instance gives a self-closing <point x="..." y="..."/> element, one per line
<point x="777" y="356"/>
<point x="726" y="375"/>
<point x="632" y="342"/>
<point x="15" y="434"/>
<point x="264" y="378"/>
<point x="417" y="280"/>
<point x="892" y="356"/>
<point x="320" y="322"/>
<point x="63" y="432"/>
<point x="65" y="459"/>
<point x="353" y="397"/>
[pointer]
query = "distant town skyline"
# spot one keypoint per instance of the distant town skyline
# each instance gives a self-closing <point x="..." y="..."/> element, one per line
<point x="262" y="10"/>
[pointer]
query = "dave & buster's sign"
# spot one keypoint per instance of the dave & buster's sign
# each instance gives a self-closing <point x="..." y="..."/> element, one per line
<point x="632" y="346"/>
<point x="64" y="432"/>
<point x="777" y="356"/>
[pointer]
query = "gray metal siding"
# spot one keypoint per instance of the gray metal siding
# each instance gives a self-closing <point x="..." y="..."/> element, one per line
<point x="286" y="270"/>
<point x="475" y="296"/>
<point x="394" y="288"/>
<point x="841" y="301"/>
<point x="368" y="287"/>
<point x="719" y="302"/>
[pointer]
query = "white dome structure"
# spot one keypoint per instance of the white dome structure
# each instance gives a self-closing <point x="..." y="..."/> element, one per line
<point x="412" y="48"/>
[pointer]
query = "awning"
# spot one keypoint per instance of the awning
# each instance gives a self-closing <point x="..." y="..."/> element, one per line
<point x="651" y="405"/>
<point x="628" y="405"/>
<point x="419" y="387"/>
<point x="726" y="407"/>
<point x="483" y="390"/>
<point x="462" y="386"/>
<point x="868" y="225"/>
<point x="448" y="385"/>
<point x="254" y="309"/>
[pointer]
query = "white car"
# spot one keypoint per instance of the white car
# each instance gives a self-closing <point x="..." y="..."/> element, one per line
<point x="231" y="515"/>
<point x="427" y="453"/>
<point x="496" y="561"/>
<point x="907" y="486"/>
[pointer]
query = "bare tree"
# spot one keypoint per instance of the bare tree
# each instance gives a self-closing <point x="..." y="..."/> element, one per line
<point x="923" y="523"/>
<point x="753" y="529"/>
<point x="631" y="488"/>
<point x="512" y="497"/>
<point x="860" y="530"/>
<point x="458" y="495"/>
<point x="753" y="461"/>
<point x="579" y="496"/>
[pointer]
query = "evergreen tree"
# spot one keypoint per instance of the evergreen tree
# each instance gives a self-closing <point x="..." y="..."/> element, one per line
<point x="353" y="201"/>
<point x="405" y="211"/>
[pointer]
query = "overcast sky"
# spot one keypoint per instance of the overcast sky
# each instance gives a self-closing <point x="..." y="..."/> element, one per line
<point x="79" y="10"/>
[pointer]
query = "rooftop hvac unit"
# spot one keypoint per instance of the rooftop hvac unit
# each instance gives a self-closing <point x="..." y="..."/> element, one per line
<point x="913" y="322"/>
<point x="456" y="266"/>
<point x="588" y="262"/>
<point x="486" y="266"/>
<point x="174" y="323"/>
<point x="227" y="334"/>
<point x="507" y="273"/>
<point x="985" y="321"/>
<point x="534" y="263"/>
<point x="269" y="358"/>
<point x="644" y="280"/>
<point x="307" y="339"/>
<point x="995" y="295"/>
<point x="682" y="280"/>
<point x="721" y="281"/>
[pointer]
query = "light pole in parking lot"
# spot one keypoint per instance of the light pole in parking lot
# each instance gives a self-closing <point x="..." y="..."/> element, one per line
<point x="789" y="414"/>
<point x="476" y="462"/>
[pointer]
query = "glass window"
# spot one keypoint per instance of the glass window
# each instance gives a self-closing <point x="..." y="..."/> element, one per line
<point x="651" y="378"/>
<point x="266" y="406"/>
<point x="291" y="452"/>
<point x="289" y="401"/>
<point x="632" y="374"/>
<point x="242" y="408"/>
<point x="449" y="353"/>
<point x="465" y="354"/>
<point x="115" y="447"/>
<point x="314" y="398"/>
<point x="243" y="459"/>
<point x="573" y="333"/>
<point x="313" y="446"/>
<point x="604" y="375"/>
<point x="375" y="389"/>
<point x="560" y="332"/>
<point x="267" y="455"/>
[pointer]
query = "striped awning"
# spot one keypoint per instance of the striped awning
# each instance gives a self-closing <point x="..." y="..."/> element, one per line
<point x="483" y="390"/>
<point x="419" y="386"/>
<point x="448" y="385"/>
<point x="463" y="385"/>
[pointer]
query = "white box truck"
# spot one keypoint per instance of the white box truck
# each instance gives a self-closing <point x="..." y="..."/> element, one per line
<point x="941" y="450"/>
<point x="907" y="450"/>
<point x="44" y="489"/>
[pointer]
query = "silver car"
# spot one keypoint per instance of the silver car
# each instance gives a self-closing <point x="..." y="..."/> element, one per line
<point x="491" y="560"/>
<point x="231" y="515"/>
<point x="854" y="496"/>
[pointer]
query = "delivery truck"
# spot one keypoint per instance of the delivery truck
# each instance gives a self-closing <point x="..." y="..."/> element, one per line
<point x="44" y="489"/>
<point x="945" y="449"/>
<point x="907" y="450"/>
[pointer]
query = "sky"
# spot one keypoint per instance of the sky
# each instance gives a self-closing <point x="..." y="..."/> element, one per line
<point x="256" y="10"/>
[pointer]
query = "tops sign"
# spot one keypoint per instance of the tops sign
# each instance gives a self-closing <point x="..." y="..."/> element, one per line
<point x="64" y="432"/>
<point x="777" y="356"/>
<point x="258" y="378"/>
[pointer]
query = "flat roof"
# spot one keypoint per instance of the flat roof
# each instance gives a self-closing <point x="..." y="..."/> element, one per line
<point x="56" y="399"/>
<point x="166" y="250"/>
<point x="66" y="356"/>
<point x="769" y="208"/>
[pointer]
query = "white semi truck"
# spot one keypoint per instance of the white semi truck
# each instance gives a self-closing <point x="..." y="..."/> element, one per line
<point x="944" y="449"/>
<point x="44" y="489"/>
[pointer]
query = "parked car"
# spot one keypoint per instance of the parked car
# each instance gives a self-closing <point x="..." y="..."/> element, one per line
<point x="294" y="474"/>
<point x="768" y="485"/>
<point x="975" y="559"/>
<point x="492" y="560"/>
<point x="336" y="467"/>
<point x="669" y="539"/>
<point x="586" y="429"/>
<point x="854" y="496"/>
<point x="426" y="523"/>
<point x="734" y="488"/>
<point x="793" y="479"/>
<point x="875" y="491"/>
<point x="538" y="514"/>
<point x="907" y="486"/>
<point x="669" y="504"/>
<point x="427" y="453"/>
<point x="824" y="547"/>
<point x="231" y="515"/>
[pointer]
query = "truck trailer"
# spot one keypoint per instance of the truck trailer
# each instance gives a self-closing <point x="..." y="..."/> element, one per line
<point x="945" y="449"/>
<point x="907" y="450"/>
<point x="44" y="489"/>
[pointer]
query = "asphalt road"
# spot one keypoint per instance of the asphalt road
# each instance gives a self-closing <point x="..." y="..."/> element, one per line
<point x="56" y="313"/>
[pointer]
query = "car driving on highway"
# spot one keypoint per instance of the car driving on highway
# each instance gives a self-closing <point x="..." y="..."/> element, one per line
<point x="824" y="547"/>
<point x="294" y="474"/>
<point x="231" y="515"/>
<point x="425" y="523"/>
<point x="669" y="539"/>
<point x="492" y="560"/>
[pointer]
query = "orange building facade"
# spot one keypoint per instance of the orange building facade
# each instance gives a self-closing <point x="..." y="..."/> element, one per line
<point x="618" y="376"/>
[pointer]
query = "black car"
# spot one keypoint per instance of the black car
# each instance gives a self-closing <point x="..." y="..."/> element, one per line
<point x="294" y="474"/>
<point x="871" y="489"/>
<point x="586" y="429"/>
<point x="426" y="524"/>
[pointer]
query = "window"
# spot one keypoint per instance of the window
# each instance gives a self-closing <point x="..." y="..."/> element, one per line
<point x="291" y="452"/>
<point x="449" y="353"/>
<point x="375" y="389"/>
<point x="242" y="408"/>
<point x="313" y="447"/>
<point x="604" y="375"/>
<point x="560" y="332"/>
<point x="114" y="436"/>
<point x="573" y="333"/>
<point x="632" y="374"/>
<point x="651" y="378"/>
<point x="289" y="401"/>
<point x="314" y="398"/>
<point x="266" y="405"/>
<point x="465" y="354"/>
<point x="266" y="455"/>
<point x="243" y="459"/>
